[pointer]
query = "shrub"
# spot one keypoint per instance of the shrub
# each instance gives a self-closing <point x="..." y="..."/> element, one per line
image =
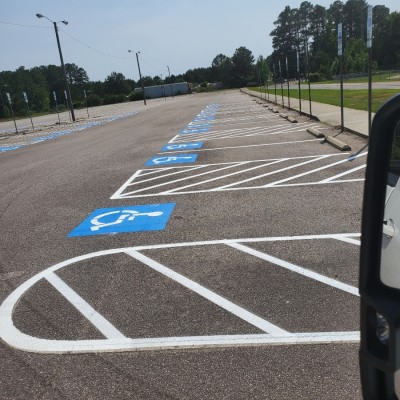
<point x="78" y="104"/>
<point x="114" y="98"/>
<point x="93" y="100"/>
<point x="314" y="77"/>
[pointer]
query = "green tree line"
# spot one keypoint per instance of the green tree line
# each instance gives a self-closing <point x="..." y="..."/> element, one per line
<point x="308" y="32"/>
<point x="311" y="31"/>
<point x="44" y="85"/>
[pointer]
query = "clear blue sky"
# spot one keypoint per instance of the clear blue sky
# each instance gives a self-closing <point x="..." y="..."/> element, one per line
<point x="182" y="34"/>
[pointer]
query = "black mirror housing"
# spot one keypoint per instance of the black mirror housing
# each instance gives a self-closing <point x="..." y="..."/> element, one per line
<point x="379" y="360"/>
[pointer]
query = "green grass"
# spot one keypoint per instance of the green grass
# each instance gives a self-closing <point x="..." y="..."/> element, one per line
<point x="379" y="77"/>
<point x="357" y="99"/>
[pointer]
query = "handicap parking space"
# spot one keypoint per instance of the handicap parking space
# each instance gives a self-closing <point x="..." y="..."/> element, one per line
<point x="245" y="175"/>
<point x="245" y="293"/>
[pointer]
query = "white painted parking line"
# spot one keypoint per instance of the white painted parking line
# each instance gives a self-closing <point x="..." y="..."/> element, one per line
<point x="226" y="175"/>
<point x="240" y="133"/>
<point x="349" y="240"/>
<point x="244" y="146"/>
<point x="312" y="172"/>
<point x="97" y="320"/>
<point x="139" y="173"/>
<point x="272" y="172"/>
<point x="138" y="185"/>
<point x="209" y="295"/>
<point x="183" y="179"/>
<point x="333" y="178"/>
<point x="295" y="268"/>
<point x="116" y="341"/>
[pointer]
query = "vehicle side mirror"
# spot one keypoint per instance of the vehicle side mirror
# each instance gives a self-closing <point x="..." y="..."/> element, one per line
<point x="380" y="257"/>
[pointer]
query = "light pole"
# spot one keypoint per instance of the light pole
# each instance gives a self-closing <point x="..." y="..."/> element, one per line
<point x="62" y="63"/>
<point x="170" y="83"/>
<point x="140" y="75"/>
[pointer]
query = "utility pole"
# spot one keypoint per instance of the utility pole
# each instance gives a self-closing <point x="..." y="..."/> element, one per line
<point x="71" y="107"/>
<point x="140" y="76"/>
<point x="69" y="101"/>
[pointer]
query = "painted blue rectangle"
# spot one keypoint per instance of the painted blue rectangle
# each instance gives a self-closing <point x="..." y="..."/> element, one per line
<point x="183" y="146"/>
<point x="195" y="130"/>
<point x="166" y="160"/>
<point x="9" y="148"/>
<point x="106" y="221"/>
<point x="193" y="125"/>
<point x="203" y="119"/>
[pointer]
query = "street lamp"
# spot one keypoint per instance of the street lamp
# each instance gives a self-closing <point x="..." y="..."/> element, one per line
<point x="170" y="82"/>
<point x="62" y="63"/>
<point x="140" y="75"/>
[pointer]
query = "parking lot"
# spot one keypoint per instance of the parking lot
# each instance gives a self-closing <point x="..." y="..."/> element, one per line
<point x="214" y="236"/>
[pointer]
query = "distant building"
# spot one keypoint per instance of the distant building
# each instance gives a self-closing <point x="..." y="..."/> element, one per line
<point x="167" y="90"/>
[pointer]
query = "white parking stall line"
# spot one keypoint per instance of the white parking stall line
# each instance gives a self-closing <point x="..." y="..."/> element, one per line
<point x="225" y="176"/>
<point x="239" y="133"/>
<point x="97" y="320"/>
<point x="241" y="147"/>
<point x="131" y="181"/>
<point x="270" y="173"/>
<point x="295" y="268"/>
<point x="151" y="172"/>
<point x="346" y="180"/>
<point x="126" y="184"/>
<point x="163" y="176"/>
<point x="332" y="178"/>
<point x="209" y="295"/>
<point x="116" y="342"/>
<point x="307" y="173"/>
<point x="335" y="236"/>
<point x="349" y="240"/>
<point x="232" y="123"/>
<point x="245" y="118"/>
<point x="114" y="196"/>
<point x="135" y="186"/>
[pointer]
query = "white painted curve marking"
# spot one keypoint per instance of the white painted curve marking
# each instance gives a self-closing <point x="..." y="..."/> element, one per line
<point x="115" y="341"/>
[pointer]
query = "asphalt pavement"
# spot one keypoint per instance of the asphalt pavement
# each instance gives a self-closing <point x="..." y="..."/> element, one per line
<point x="202" y="247"/>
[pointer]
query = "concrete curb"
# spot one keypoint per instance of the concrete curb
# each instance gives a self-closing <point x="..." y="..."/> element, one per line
<point x="337" y="143"/>
<point x="315" y="133"/>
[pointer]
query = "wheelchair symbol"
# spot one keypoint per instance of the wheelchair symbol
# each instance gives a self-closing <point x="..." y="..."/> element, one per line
<point x="184" y="158"/>
<point x="162" y="160"/>
<point x="128" y="215"/>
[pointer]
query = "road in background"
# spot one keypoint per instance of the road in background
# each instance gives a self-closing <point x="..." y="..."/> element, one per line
<point x="205" y="248"/>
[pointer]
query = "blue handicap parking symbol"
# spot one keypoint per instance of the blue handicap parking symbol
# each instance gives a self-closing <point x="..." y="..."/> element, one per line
<point x="104" y="221"/>
<point x="9" y="148"/>
<point x="182" y="158"/>
<point x="183" y="146"/>
<point x="203" y="119"/>
<point x="195" y="130"/>
<point x="194" y="125"/>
